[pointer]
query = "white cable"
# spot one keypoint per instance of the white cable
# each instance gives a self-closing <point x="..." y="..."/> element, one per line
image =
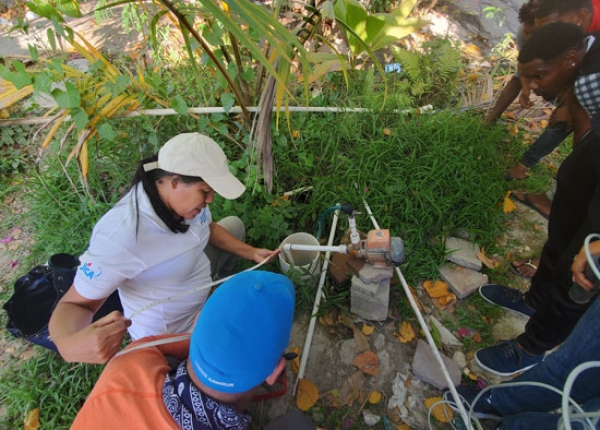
<point x="154" y="343"/>
<point x="567" y="390"/>
<point x="588" y="254"/>
<point x="313" y="318"/>
<point x="191" y="291"/>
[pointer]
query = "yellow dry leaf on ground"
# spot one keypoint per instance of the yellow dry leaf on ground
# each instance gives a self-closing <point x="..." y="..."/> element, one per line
<point x="296" y="361"/>
<point x="407" y="332"/>
<point x="32" y="421"/>
<point x="367" y="329"/>
<point x="509" y="205"/>
<point x="442" y="413"/>
<point x="374" y="397"/>
<point x="487" y="261"/>
<point x="368" y="363"/>
<point x="307" y="394"/>
<point x="436" y="289"/>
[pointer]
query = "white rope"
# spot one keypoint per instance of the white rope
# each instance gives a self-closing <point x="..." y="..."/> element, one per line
<point x="190" y="291"/>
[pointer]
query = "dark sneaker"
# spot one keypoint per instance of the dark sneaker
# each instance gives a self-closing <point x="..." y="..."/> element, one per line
<point x="508" y="298"/>
<point x="506" y="359"/>
<point x="482" y="410"/>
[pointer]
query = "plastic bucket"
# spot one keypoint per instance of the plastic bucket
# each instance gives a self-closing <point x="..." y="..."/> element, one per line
<point x="304" y="266"/>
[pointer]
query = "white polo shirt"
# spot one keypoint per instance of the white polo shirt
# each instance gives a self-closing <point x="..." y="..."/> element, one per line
<point x="149" y="264"/>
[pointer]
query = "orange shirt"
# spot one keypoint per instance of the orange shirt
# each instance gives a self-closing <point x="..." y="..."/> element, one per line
<point x="128" y="394"/>
<point x="595" y="22"/>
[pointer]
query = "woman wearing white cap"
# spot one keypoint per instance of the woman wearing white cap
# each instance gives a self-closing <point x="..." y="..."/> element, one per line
<point x="153" y="245"/>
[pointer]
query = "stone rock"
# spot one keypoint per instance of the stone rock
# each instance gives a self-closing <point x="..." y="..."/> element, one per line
<point x="460" y="359"/>
<point x="461" y="280"/>
<point x="463" y="253"/>
<point x="446" y="336"/>
<point x="370" y="274"/>
<point x="427" y="369"/>
<point x="370" y="418"/>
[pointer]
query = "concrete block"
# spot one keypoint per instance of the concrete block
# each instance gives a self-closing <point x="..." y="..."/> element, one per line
<point x="463" y="253"/>
<point x="369" y="301"/>
<point x="462" y="281"/>
<point x="376" y="274"/>
<point x="427" y="369"/>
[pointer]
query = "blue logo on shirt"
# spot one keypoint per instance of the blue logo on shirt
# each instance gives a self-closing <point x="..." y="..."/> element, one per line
<point x="89" y="271"/>
<point x="203" y="216"/>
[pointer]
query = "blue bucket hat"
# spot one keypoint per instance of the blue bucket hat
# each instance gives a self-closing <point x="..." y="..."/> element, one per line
<point x="243" y="331"/>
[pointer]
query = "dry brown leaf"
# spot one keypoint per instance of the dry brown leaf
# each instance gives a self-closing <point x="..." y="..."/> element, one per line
<point x="437" y="289"/>
<point x="307" y="394"/>
<point x="509" y="205"/>
<point x="477" y="337"/>
<point x="367" y="329"/>
<point x="510" y="115"/>
<point x="416" y="298"/>
<point x="367" y="362"/>
<point x="374" y="397"/>
<point x="362" y="343"/>
<point x="387" y="132"/>
<point x="32" y="421"/>
<point x="487" y="261"/>
<point x="407" y="332"/>
<point x="296" y="361"/>
<point x="514" y="130"/>
<point x="326" y="320"/>
<point x="296" y="134"/>
<point x="442" y="413"/>
<point x="350" y="390"/>
<point x="443" y="302"/>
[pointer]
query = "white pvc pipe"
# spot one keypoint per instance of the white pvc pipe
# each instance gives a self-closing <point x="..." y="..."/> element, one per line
<point x="436" y="353"/>
<point x="211" y="110"/>
<point x="321" y="248"/>
<point x="313" y="318"/>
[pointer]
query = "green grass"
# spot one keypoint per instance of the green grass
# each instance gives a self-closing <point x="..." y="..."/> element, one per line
<point x="46" y="382"/>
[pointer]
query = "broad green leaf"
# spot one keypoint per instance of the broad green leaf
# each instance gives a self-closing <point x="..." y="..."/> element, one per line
<point x="44" y="9"/>
<point x="19" y="78"/>
<point x="41" y="83"/>
<point x="106" y="131"/>
<point x="227" y="101"/>
<point x="69" y="8"/>
<point x="80" y="118"/>
<point x="179" y="105"/>
<point x="33" y="52"/>
<point x="67" y="99"/>
<point x="51" y="39"/>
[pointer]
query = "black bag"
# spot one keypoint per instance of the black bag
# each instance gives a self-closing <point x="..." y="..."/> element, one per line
<point x="37" y="294"/>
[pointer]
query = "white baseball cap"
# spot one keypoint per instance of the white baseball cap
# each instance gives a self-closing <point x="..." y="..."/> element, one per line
<point x="197" y="155"/>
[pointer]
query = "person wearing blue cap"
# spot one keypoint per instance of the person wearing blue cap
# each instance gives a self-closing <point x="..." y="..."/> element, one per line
<point x="237" y="344"/>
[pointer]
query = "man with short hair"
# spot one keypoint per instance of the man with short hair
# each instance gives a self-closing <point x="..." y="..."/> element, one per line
<point x="238" y="343"/>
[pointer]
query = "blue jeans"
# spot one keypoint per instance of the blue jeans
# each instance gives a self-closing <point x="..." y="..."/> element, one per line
<point x="527" y="407"/>
<point x="545" y="144"/>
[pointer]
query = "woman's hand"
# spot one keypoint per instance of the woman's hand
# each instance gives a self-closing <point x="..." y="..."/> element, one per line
<point x="260" y="254"/>
<point x="98" y="342"/>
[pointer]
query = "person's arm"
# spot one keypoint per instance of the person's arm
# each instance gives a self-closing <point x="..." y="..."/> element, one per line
<point x="507" y="96"/>
<point x="222" y="239"/>
<point x="579" y="265"/>
<point x="77" y="338"/>
<point x="524" y="99"/>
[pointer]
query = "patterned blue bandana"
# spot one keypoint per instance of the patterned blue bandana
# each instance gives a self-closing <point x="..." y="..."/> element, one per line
<point x="193" y="410"/>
